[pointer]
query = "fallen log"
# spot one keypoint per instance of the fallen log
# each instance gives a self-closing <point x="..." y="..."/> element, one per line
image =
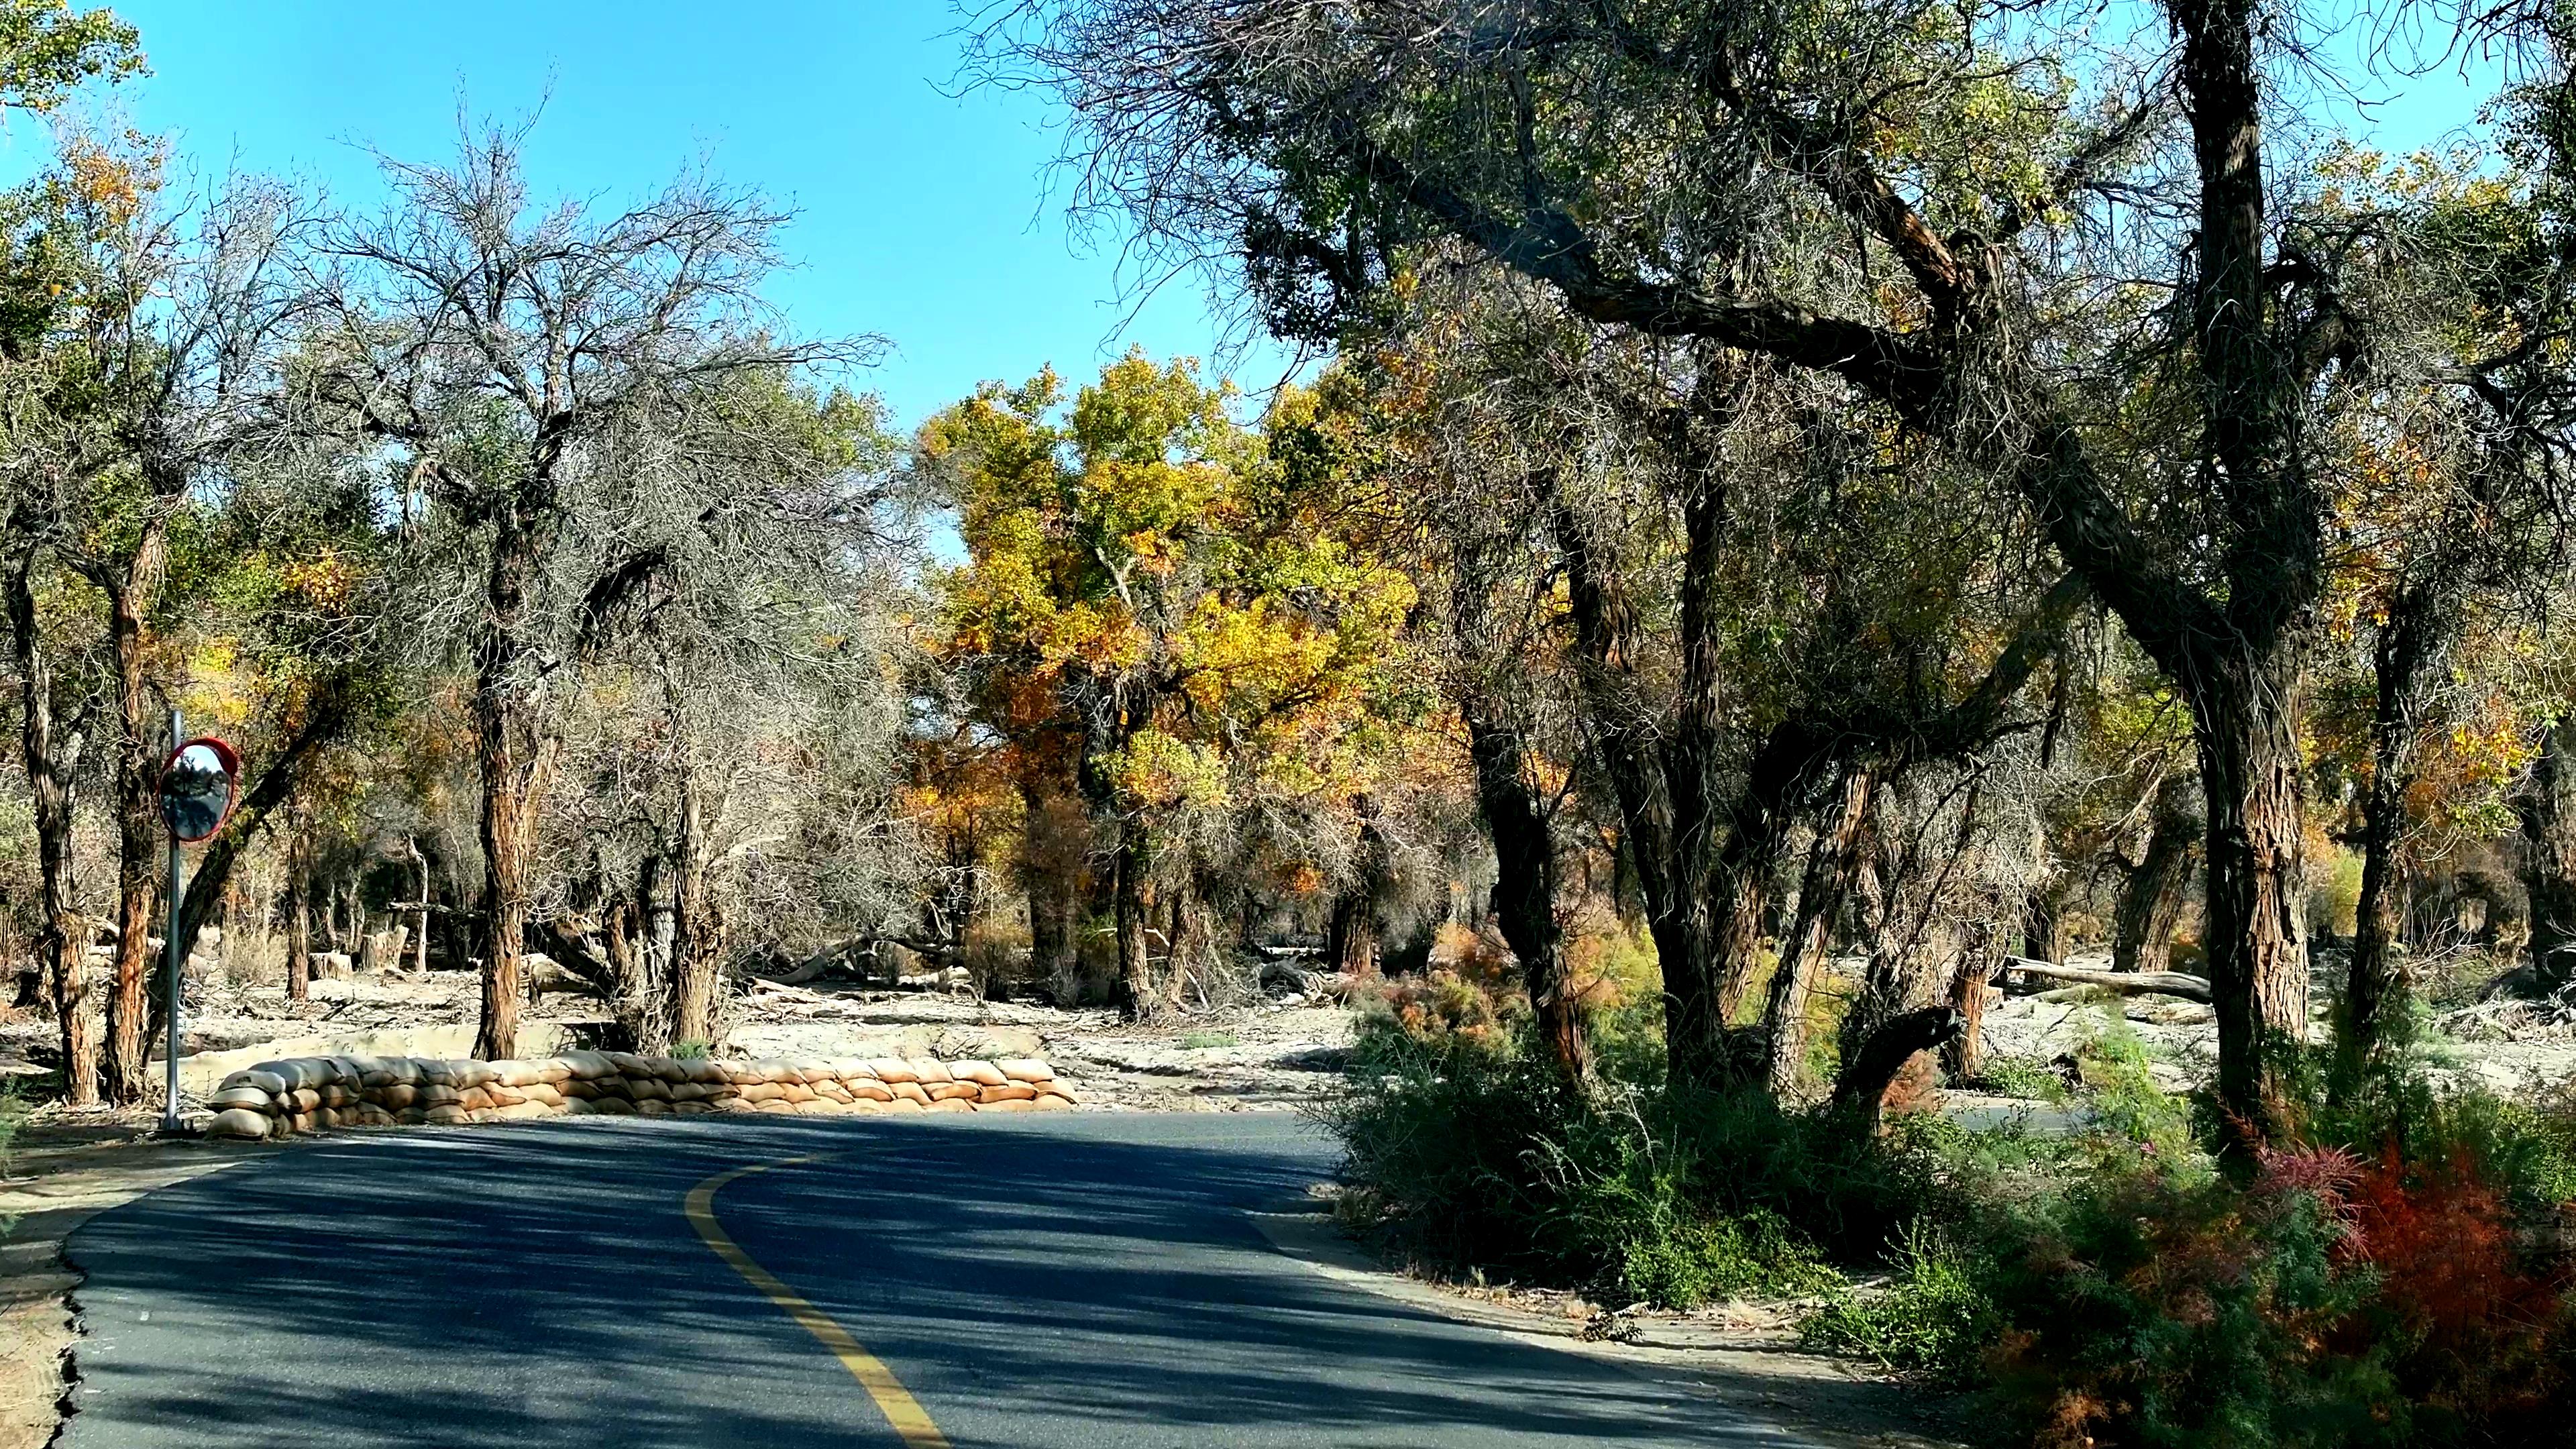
<point x="2127" y="983"/>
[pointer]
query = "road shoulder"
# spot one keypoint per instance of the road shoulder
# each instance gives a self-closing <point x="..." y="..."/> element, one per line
<point x="1826" y="1399"/>
<point x="56" y="1183"/>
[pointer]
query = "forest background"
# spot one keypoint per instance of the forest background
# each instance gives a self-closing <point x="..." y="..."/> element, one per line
<point x="1789" y="516"/>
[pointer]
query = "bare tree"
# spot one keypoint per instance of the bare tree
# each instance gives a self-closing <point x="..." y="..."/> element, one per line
<point x="495" y="342"/>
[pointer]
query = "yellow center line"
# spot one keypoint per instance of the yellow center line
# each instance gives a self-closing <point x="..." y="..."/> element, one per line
<point x="904" y="1412"/>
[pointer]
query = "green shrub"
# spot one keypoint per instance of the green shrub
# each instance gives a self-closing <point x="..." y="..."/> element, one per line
<point x="2111" y="1066"/>
<point x="2165" y="1308"/>
<point x="1682" y="1262"/>
<point x="1464" y="1153"/>
<point x="1200" y="1040"/>
<point x="2393" y="1273"/>
<point x="2022" y="1076"/>
<point x="14" y="1111"/>
<point x="1931" y="1320"/>
<point x="690" y="1051"/>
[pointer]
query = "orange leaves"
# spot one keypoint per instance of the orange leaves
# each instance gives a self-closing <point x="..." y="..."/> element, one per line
<point x="329" y="580"/>
<point x="1144" y="547"/>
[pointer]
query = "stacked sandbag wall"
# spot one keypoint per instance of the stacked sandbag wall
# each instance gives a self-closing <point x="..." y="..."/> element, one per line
<point x="274" y="1099"/>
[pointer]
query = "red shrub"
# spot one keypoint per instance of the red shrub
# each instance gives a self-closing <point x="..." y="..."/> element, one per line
<point x="2475" y="1327"/>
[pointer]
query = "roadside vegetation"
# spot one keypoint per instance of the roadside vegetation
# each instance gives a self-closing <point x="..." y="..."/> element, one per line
<point x="2395" y="1272"/>
<point x="1907" y="658"/>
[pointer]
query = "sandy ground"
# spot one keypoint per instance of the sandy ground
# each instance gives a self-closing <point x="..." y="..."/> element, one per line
<point x="2508" y="1047"/>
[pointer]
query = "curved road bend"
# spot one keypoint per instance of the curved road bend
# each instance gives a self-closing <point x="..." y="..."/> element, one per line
<point x="1065" y="1280"/>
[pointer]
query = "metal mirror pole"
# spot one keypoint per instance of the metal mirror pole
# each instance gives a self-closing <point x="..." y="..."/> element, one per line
<point x="174" y="962"/>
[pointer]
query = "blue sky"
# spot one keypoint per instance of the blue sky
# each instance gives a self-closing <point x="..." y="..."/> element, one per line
<point x="920" y="217"/>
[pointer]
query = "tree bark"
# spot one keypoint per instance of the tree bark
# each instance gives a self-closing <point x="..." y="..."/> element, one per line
<point x="1524" y="896"/>
<point x="697" y="945"/>
<point x="2546" y="807"/>
<point x="1052" y="844"/>
<point x="2406" y="659"/>
<point x="1964" y="1056"/>
<point x="658" y="933"/>
<point x="1132" y="904"/>
<point x="2151" y="902"/>
<point x="299" y="916"/>
<point x="2258" y="932"/>
<point x="62" y="936"/>
<point x="2043" y="926"/>
<point x="1351" y="938"/>
<point x="140" y="837"/>
<point x="1831" y="864"/>
<point x="617" y="942"/>
<point x="505" y="752"/>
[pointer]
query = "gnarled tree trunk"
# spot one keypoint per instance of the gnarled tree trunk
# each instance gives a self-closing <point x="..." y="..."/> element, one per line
<point x="1132" y="903"/>
<point x="299" y="915"/>
<point x="1964" y="1055"/>
<point x="140" y="838"/>
<point x="697" y="945"/>
<point x="2407" y="657"/>
<point x="1525" y="869"/>
<point x="62" y="935"/>
<point x="506" y="755"/>
<point x="1705" y="901"/>
<point x="1831" y="864"/>
<point x="2258" y="932"/>
<point x="2546" y="807"/>
<point x="2151" y="902"/>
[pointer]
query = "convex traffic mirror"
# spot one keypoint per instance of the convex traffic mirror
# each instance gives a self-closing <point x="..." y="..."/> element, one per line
<point x="197" y="787"/>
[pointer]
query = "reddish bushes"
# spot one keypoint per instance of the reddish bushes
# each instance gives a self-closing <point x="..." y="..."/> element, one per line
<point x="2469" y="1323"/>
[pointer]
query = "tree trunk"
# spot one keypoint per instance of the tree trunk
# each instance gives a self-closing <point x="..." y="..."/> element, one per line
<point x="2546" y="806"/>
<point x="1912" y="941"/>
<point x="2243" y="678"/>
<point x="1524" y="898"/>
<point x="1193" y="941"/>
<point x="617" y="941"/>
<point x="1963" y="1056"/>
<point x="1132" y="903"/>
<point x="299" y="916"/>
<point x="1705" y="903"/>
<point x="420" y="922"/>
<point x="140" y="839"/>
<point x="62" y="937"/>
<point x="1831" y="863"/>
<point x="659" y="938"/>
<point x="1351" y="941"/>
<point x="2407" y="657"/>
<point x="2258" y="933"/>
<point x="697" y="944"/>
<point x="2043" y="927"/>
<point x="505" y="752"/>
<point x="1052" y="843"/>
<point x="2150" y="905"/>
<point x="1883" y="1055"/>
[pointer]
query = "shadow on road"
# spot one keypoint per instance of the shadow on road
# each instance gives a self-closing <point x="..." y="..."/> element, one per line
<point x="1057" y="1281"/>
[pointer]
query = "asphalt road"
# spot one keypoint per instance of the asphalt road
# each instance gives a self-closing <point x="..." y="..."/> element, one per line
<point x="1063" y="1280"/>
